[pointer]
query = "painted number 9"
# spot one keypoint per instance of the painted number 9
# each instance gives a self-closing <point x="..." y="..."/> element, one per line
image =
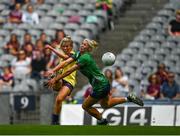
<point x="24" y="102"/>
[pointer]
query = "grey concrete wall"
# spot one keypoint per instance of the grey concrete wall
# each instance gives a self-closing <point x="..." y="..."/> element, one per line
<point x="46" y="108"/>
<point x="4" y="109"/>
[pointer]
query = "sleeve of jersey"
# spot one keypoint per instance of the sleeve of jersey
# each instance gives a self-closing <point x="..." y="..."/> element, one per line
<point x="75" y="55"/>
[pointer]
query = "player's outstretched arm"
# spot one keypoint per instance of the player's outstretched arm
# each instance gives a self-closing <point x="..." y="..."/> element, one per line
<point x="63" y="64"/>
<point x="61" y="76"/>
<point x="68" y="72"/>
<point x="57" y="52"/>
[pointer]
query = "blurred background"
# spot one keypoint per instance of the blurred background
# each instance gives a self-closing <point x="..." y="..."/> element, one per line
<point x="143" y="34"/>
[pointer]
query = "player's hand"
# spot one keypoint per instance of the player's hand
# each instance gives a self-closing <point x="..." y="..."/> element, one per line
<point x="51" y="82"/>
<point x="48" y="47"/>
<point x="49" y="72"/>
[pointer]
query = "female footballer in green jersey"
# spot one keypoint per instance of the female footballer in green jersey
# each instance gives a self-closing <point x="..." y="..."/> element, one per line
<point x="101" y="87"/>
<point x="65" y="88"/>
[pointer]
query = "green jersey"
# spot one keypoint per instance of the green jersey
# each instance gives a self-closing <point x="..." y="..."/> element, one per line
<point x="89" y="69"/>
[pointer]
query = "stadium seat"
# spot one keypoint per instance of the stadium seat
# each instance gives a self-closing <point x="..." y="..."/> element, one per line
<point x="77" y="40"/>
<point x="47" y="19"/>
<point x="75" y="7"/>
<point x="148" y="32"/>
<point x="84" y="13"/>
<point x="24" y="26"/>
<point x="163" y="51"/>
<point x="134" y="64"/>
<point x="60" y="8"/>
<point x="140" y="57"/>
<point x="56" y="26"/>
<point x="147" y="51"/>
<point x="157" y="58"/>
<point x="66" y="2"/>
<point x="6" y="89"/>
<point x="123" y="57"/>
<point x="152" y="45"/>
<point x="151" y="64"/>
<point x="158" y="38"/>
<point x="154" y="26"/>
<point x="53" y="13"/>
<point x="170" y="6"/>
<point x="145" y="71"/>
<point x="50" y="32"/>
<point x="119" y="63"/>
<point x="71" y="26"/>
<point x="34" y="32"/>
<point x="7" y="58"/>
<point x="159" y="19"/>
<point x="5" y="12"/>
<point x="51" y="2"/>
<point x="166" y="13"/>
<point x="18" y="32"/>
<point x="174" y="58"/>
<point x="45" y="7"/>
<point x="133" y="83"/>
<point x="83" y="33"/>
<point x="136" y="76"/>
<point x="90" y="7"/>
<point x="128" y="71"/>
<point x="69" y="13"/>
<point x="129" y="51"/>
<point x="76" y="19"/>
<point x="101" y="14"/>
<point x="142" y="38"/>
<point x="173" y="39"/>
<point x="69" y="32"/>
<point x="31" y="83"/>
<point x="41" y="26"/>
<point x="90" y="27"/>
<point x="9" y="26"/>
<point x="3" y="64"/>
<point x="62" y="19"/>
<point x="169" y="63"/>
<point x="41" y="13"/>
<point x="21" y="88"/>
<point x="2" y="7"/>
<point x="169" y="45"/>
<point x="136" y="45"/>
<point x="4" y="33"/>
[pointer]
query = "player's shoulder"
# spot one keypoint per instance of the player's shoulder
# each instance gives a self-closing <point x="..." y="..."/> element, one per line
<point x="72" y="52"/>
<point x="86" y="55"/>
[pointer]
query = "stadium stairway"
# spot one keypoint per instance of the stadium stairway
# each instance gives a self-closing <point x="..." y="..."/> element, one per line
<point x="134" y="16"/>
<point x="127" y="26"/>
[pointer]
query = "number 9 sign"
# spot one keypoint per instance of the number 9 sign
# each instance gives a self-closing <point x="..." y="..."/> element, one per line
<point x="24" y="102"/>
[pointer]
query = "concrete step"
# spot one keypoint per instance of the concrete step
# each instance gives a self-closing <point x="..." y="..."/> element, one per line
<point x="157" y="2"/>
<point x="131" y="20"/>
<point x="134" y="13"/>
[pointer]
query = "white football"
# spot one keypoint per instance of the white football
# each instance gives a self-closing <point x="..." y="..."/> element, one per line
<point x="108" y="58"/>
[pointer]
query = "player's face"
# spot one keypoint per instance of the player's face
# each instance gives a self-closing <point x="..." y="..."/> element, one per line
<point x="84" y="47"/>
<point x="67" y="48"/>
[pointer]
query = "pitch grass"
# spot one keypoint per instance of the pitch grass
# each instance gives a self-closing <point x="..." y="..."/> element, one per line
<point x="86" y="130"/>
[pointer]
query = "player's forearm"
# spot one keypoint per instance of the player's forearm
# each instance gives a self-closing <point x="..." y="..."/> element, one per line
<point x="68" y="72"/>
<point x="60" y="66"/>
<point x="58" y="53"/>
<point x="63" y="75"/>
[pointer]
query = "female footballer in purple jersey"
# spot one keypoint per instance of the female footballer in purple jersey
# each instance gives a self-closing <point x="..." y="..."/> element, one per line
<point x="101" y="87"/>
